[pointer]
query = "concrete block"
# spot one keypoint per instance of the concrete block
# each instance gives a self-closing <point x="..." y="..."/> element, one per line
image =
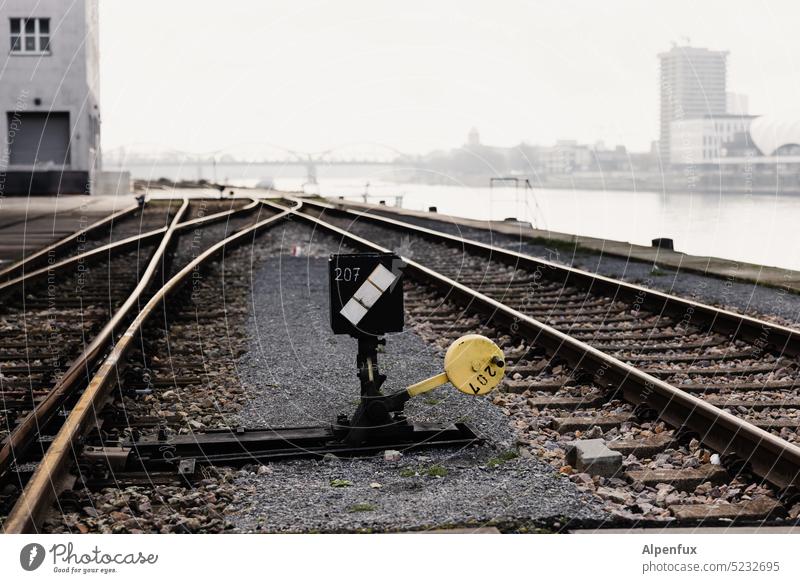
<point x="592" y="456"/>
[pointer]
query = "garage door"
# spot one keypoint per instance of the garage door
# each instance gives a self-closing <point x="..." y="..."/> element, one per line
<point x="38" y="138"/>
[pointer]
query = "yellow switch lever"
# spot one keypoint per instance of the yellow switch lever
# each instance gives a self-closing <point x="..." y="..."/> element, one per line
<point x="473" y="364"/>
<point x="427" y="384"/>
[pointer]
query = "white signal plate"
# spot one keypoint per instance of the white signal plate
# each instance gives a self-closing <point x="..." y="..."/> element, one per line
<point x="365" y="297"/>
<point x="353" y="311"/>
<point x="367" y="294"/>
<point x="382" y="278"/>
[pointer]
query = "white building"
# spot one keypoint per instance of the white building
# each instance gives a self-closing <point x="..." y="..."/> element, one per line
<point x="693" y="85"/>
<point x="49" y="96"/>
<point x="707" y="139"/>
<point x="777" y="137"/>
<point x="566" y="157"/>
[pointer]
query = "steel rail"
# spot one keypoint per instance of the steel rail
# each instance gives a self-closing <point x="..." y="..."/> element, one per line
<point x="216" y="217"/>
<point x="10" y="286"/>
<point x="766" y="335"/>
<point x="42" y="254"/>
<point x="24" y="432"/>
<point x="43" y="486"/>
<point x="769" y="456"/>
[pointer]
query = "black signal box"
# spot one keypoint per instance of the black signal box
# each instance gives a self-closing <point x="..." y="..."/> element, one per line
<point x="366" y="293"/>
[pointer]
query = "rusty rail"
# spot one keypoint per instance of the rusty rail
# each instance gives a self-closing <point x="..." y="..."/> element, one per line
<point x="13" y="285"/>
<point x="43" y="486"/>
<point x="770" y="457"/>
<point x="771" y="337"/>
<point x="25" y="431"/>
<point x="37" y="257"/>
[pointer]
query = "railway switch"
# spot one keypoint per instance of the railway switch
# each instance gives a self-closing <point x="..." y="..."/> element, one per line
<point x="473" y="364"/>
<point x="366" y="302"/>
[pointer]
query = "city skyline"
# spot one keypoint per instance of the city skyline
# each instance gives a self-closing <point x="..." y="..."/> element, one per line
<point x="692" y="86"/>
<point x="532" y="73"/>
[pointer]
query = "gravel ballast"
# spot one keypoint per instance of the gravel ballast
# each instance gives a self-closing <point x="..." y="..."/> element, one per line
<point x="299" y="373"/>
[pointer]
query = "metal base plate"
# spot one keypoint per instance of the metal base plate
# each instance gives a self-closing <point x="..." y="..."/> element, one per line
<point x="243" y="446"/>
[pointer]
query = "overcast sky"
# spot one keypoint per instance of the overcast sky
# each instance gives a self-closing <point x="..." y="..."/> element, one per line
<point x="202" y="76"/>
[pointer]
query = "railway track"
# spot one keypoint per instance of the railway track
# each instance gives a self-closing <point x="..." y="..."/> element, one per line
<point x="44" y="349"/>
<point x="691" y="386"/>
<point x="131" y="221"/>
<point x="665" y="474"/>
<point x="42" y="386"/>
<point x="701" y="403"/>
<point x="173" y="408"/>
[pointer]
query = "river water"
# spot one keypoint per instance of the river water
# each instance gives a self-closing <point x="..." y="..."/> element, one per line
<point x="755" y="228"/>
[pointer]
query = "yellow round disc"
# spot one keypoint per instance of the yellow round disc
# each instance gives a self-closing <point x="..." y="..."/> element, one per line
<point x="474" y="364"/>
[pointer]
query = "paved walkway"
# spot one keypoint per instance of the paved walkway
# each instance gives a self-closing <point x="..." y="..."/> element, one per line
<point x="30" y="223"/>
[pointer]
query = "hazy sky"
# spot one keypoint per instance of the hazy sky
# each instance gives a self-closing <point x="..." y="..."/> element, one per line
<point x="202" y="76"/>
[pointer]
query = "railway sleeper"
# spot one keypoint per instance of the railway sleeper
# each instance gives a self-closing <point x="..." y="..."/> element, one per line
<point x="568" y="403"/>
<point x="761" y="508"/>
<point x="601" y="329"/>
<point x="584" y="424"/>
<point x="744" y="405"/>
<point x="643" y="347"/>
<point x="523" y="387"/>
<point x="642" y="447"/>
<point x="686" y="479"/>
<point x="668" y="359"/>
<point x="735" y="387"/>
<point x="711" y="371"/>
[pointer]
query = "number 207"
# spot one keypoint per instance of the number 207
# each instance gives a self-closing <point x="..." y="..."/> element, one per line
<point x="482" y="379"/>
<point x="346" y="274"/>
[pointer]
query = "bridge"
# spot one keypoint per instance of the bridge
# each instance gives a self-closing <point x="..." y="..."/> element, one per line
<point x="260" y="155"/>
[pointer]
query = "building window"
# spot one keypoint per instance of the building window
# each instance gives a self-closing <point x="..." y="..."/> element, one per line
<point x="30" y="36"/>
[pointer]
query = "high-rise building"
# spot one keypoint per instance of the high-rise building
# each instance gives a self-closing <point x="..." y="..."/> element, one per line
<point x="693" y="85"/>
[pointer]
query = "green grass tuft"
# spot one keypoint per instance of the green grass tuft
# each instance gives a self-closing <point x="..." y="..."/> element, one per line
<point x="362" y="507"/>
<point x="504" y="457"/>
<point x="436" y="471"/>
